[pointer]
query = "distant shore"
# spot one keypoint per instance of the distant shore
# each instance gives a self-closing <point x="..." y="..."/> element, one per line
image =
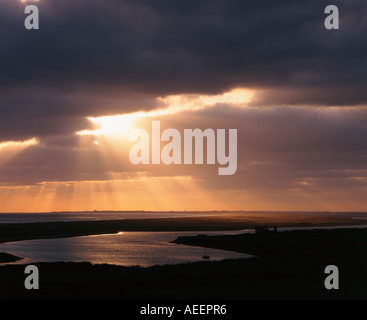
<point x="226" y="221"/>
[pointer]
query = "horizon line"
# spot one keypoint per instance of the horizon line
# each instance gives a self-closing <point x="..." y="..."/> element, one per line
<point x="182" y="211"/>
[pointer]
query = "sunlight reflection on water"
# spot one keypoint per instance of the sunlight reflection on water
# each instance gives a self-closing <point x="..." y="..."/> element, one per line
<point x="124" y="248"/>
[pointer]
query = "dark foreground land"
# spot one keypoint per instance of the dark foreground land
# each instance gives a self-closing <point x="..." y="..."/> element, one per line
<point x="289" y="265"/>
<point x="7" y="257"/>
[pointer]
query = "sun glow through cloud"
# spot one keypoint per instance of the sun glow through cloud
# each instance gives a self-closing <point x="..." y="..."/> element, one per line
<point x="110" y="135"/>
<point x="18" y="144"/>
<point x="118" y="125"/>
<point x="121" y="125"/>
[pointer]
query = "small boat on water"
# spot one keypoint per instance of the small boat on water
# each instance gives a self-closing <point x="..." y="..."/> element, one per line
<point x="206" y="256"/>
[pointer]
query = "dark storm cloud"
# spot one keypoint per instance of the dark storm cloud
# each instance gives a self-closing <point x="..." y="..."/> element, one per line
<point x="184" y="46"/>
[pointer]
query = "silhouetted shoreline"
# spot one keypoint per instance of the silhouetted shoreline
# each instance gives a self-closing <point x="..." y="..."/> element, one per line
<point x="289" y="265"/>
<point x="7" y="257"/>
<point x="226" y="221"/>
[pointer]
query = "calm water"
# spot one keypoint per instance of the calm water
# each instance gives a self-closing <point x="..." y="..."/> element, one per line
<point x="125" y="248"/>
<point x="93" y="216"/>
